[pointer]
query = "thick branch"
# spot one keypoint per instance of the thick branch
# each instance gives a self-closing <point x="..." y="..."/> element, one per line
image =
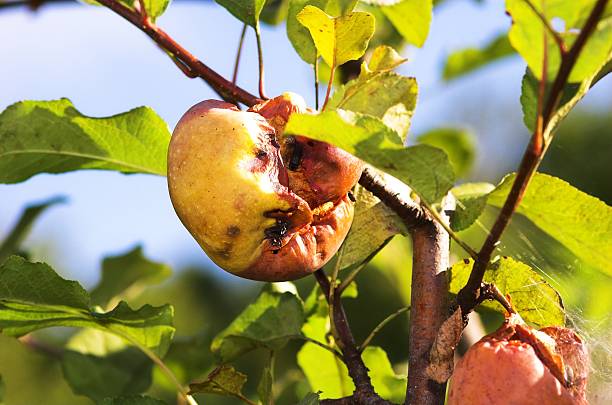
<point x="429" y="306"/>
<point x="225" y="88"/>
<point x="470" y="295"/>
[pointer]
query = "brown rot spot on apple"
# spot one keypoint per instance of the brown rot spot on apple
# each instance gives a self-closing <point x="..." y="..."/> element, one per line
<point x="267" y="209"/>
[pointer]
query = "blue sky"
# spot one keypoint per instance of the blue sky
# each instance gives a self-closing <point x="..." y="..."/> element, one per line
<point x="106" y="66"/>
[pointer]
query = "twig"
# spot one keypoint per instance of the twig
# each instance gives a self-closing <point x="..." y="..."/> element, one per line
<point x="436" y="215"/>
<point x="381" y="325"/>
<point x="221" y="85"/>
<point x="491" y="292"/>
<point x="332" y="71"/>
<point x="320" y="344"/>
<point x="558" y="39"/>
<point x="468" y="296"/>
<point x="351" y="277"/>
<point x="364" y="391"/>
<point x="239" y="54"/>
<point x="262" y="91"/>
<point x="428" y="298"/>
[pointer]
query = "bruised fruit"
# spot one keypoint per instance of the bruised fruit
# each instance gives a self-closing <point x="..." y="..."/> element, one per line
<point x="318" y="172"/>
<point x="232" y="191"/>
<point x="518" y="365"/>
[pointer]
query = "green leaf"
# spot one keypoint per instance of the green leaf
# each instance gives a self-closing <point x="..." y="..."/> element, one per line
<point x="387" y="384"/>
<point x="100" y="365"/>
<point x="53" y="137"/>
<point x="269" y="322"/>
<point x="133" y="400"/>
<point x="579" y="221"/>
<point x="458" y="144"/>
<point x="382" y="94"/>
<point x="373" y="225"/>
<point x="264" y="388"/>
<point x="384" y="58"/>
<point x="127" y="273"/>
<point x="126" y="372"/>
<point x="247" y="11"/>
<point x="532" y="297"/>
<point x="338" y="39"/>
<point x="310" y="399"/>
<point x="411" y="18"/>
<point x="155" y="8"/>
<point x="224" y="380"/>
<point x="370" y="140"/>
<point x="2" y="392"/>
<point x="298" y="35"/>
<point x="467" y="60"/>
<point x="20" y="231"/>
<point x="527" y="33"/>
<point x="274" y="11"/>
<point x="33" y="296"/>
<point x="471" y="200"/>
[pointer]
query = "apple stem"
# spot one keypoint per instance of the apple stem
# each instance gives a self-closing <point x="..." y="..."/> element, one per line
<point x="239" y="54"/>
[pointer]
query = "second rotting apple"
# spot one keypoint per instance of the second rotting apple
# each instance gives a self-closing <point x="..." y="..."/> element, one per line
<point x="232" y="191"/>
<point x="520" y="365"/>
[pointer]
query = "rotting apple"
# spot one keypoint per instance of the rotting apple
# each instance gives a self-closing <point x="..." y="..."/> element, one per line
<point x="520" y="365"/>
<point x="318" y="172"/>
<point x="230" y="188"/>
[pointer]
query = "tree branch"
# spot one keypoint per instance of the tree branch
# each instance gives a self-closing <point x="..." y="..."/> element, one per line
<point x="222" y="86"/>
<point x="469" y="296"/>
<point x="429" y="306"/>
<point x="364" y="393"/>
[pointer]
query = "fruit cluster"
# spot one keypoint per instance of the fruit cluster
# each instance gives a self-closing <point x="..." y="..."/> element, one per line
<point x="262" y="205"/>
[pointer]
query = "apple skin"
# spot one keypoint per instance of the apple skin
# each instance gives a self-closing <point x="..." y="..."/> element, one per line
<point x="318" y="172"/>
<point x="504" y="369"/>
<point x="230" y="188"/>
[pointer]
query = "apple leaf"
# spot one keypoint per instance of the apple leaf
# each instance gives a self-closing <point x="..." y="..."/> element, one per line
<point x="20" y="231"/>
<point x="384" y="58"/>
<point x="247" y="11"/>
<point x="155" y="8"/>
<point x="269" y="322"/>
<point x="53" y="137"/>
<point x="264" y="388"/>
<point x="371" y="140"/>
<point x="532" y="297"/>
<point x="126" y="272"/>
<point x="274" y="11"/>
<point x="133" y="400"/>
<point x="33" y="296"/>
<point x="458" y="144"/>
<point x="338" y="39"/>
<point x="471" y="200"/>
<point x="464" y="61"/>
<point x="379" y="93"/>
<point x="579" y="221"/>
<point x="224" y="380"/>
<point x="411" y="18"/>
<point x="298" y="35"/>
<point x="2" y="391"/>
<point x="527" y="33"/>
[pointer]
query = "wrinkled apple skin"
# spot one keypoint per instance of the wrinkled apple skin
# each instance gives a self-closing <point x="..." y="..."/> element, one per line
<point x="500" y="370"/>
<point x="318" y="172"/>
<point x="228" y="185"/>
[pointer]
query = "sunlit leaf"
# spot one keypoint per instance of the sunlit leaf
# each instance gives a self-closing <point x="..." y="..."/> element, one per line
<point x="53" y="137"/>
<point x="384" y="58"/>
<point x="532" y="297"/>
<point x="269" y="322"/>
<point x="411" y="18"/>
<point x="579" y="221"/>
<point x="155" y="8"/>
<point x="380" y="93"/>
<point x="33" y="296"/>
<point x="247" y="11"/>
<point x="471" y="200"/>
<point x="12" y="244"/>
<point x="298" y="35"/>
<point x="125" y="272"/>
<point x="338" y="39"/>
<point x="371" y="140"/>
<point x="467" y="60"/>
<point x="224" y="380"/>
<point x="458" y="144"/>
